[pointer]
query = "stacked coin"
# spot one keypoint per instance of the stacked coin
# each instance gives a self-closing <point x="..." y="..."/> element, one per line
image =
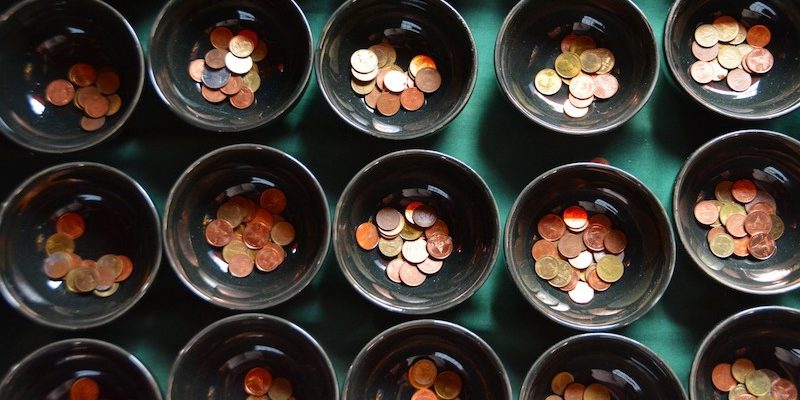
<point x="585" y="69"/>
<point x="563" y="384"/>
<point x="587" y="258"/>
<point x="101" y="277"/>
<point x="84" y="389"/>
<point x="259" y="385"/>
<point x="743" y="220"/>
<point x="722" y="53"/>
<point x="743" y="381"/>
<point x="229" y="70"/>
<point x="423" y="374"/>
<point x="251" y="236"/>
<point x="96" y="95"/>
<point x="417" y="240"/>
<point x="385" y="86"/>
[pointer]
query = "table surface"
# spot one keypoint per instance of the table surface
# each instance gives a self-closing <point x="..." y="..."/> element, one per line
<point x="506" y="149"/>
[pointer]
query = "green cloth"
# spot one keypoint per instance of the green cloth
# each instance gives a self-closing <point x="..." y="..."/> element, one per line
<point x="489" y="135"/>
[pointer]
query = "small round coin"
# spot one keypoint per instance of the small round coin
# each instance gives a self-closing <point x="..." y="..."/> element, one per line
<point x="606" y="86"/>
<point x="367" y="236"/>
<point x="610" y="269"/>
<point x="60" y="92"/>
<point x="364" y="61"/>
<point x="568" y="65"/>
<point x="240" y="46"/>
<point x="722" y="378"/>
<point x="412" y="99"/>
<point x="560" y="382"/>
<point x="448" y="385"/>
<point x="257" y="381"/>
<point x="243" y="99"/>
<point x="740" y="368"/>
<point x="582" y="86"/>
<point x="706" y="35"/>
<point x="547" y="82"/>
<point x="758" y="36"/>
<point x="428" y="80"/>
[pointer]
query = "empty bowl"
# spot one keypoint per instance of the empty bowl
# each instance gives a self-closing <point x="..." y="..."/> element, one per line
<point x="530" y="40"/>
<point x="245" y="171"/>
<point x="770" y="160"/>
<point x="118" y="218"/>
<point x="461" y="200"/>
<point x="50" y="372"/>
<point x="42" y="41"/>
<point x="767" y="336"/>
<point x="648" y="258"/>
<point x="420" y="27"/>
<point x="380" y="369"/>
<point x="181" y="34"/>
<point x="217" y="360"/>
<point x="627" y="368"/>
<point x="772" y="94"/>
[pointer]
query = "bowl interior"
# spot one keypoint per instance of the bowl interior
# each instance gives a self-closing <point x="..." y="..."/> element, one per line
<point x="771" y="161"/>
<point x="530" y="41"/>
<point x="245" y="170"/>
<point x="626" y="368"/>
<point x="461" y="200"/>
<point x="417" y="27"/>
<point x="43" y="39"/>
<point x="50" y="372"/>
<point x="648" y="257"/>
<point x="120" y="219"/>
<point x="773" y="93"/>
<point x="380" y="369"/>
<point x="769" y="337"/>
<point x="217" y="360"/>
<point x="182" y="34"/>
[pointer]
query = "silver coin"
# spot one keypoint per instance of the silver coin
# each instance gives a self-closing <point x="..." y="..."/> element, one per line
<point x="215" y="78"/>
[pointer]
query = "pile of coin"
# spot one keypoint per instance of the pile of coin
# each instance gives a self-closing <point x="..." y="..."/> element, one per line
<point x="229" y="70"/>
<point x="84" y="389"/>
<point x="101" y="277"/>
<point x="259" y="385"/>
<point x="423" y="374"/>
<point x="385" y="86"/>
<point x="251" y="236"/>
<point x="563" y="384"/>
<point x="743" y="220"/>
<point x="585" y="69"/>
<point x="96" y="95"/>
<point x="722" y="53"/>
<point x="586" y="259"/>
<point x="743" y="381"/>
<point x="417" y="240"/>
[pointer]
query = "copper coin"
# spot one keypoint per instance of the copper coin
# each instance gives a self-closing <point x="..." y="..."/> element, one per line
<point x="430" y="266"/>
<point x="741" y="246"/>
<point x="706" y="212"/>
<point x="735" y="225"/>
<point x="260" y="51"/>
<point x="114" y="104"/>
<point x="60" y="92"/>
<point x="702" y="72"/>
<point x="393" y="269"/>
<point x="543" y="248"/>
<point x="425" y="216"/>
<point x="411" y="275"/>
<point x="605" y="86"/>
<point x="82" y="74"/>
<point x="760" y="61"/>
<point x="722" y="378"/>
<point x="714" y="232"/>
<point x="252" y="35"/>
<point x="127" y="268"/>
<point x="82" y="95"/>
<point x="551" y="227"/>
<point x="282" y="233"/>
<point x="571" y="245"/>
<point x="594" y="235"/>
<point x="705" y="53"/>
<point x="107" y="81"/>
<point x="212" y="95"/>
<point x="762" y="206"/>
<point x="743" y="190"/>
<point x="412" y="99"/>
<point x="758" y="36"/>
<point x="784" y="389"/>
<point x="758" y="222"/>
<point x="84" y="389"/>
<point x="420" y="62"/>
<point x="424" y="394"/>
<point x="196" y="68"/>
<point x="95" y="106"/>
<point x="241" y="46"/>
<point x="256" y="234"/>
<point x="739" y="80"/>
<point x="388" y="104"/>
<point x="367" y="236"/>
<point x="215" y="58"/>
<point x="240" y="266"/>
<point x="220" y="37"/>
<point x="615" y="241"/>
<point x="575" y="217"/>
<point x="233" y="86"/>
<point x="573" y="281"/>
<point x="371" y="99"/>
<point x="257" y="381"/>
<point x="438" y="227"/>
<point x="273" y="200"/>
<point x="594" y="280"/>
<point x="71" y="224"/>
<point x="428" y="80"/>
<point x="269" y="257"/>
<point x="242" y="99"/>
<point x="379" y="80"/>
<point x="762" y="246"/>
<point x="249" y="209"/>
<point x="574" y="391"/>
<point x="388" y="218"/>
<point x="580" y="103"/>
<point x="57" y="264"/>
<point x="600" y="218"/>
<point x="582" y="87"/>
<point x="90" y="124"/>
<point x="439" y="246"/>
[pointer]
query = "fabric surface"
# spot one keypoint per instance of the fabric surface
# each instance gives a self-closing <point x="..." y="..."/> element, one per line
<point x="506" y="149"/>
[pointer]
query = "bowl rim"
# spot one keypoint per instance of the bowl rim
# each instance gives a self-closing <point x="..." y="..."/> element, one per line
<point x="557" y="317"/>
<point x="502" y="81"/>
<point x="68" y="343"/>
<point x="263" y="318"/>
<point x="672" y="64"/>
<point x="344" y="267"/>
<point x="714" y="333"/>
<point x="605" y="336"/>
<point x="681" y="178"/>
<point x="267" y="151"/>
<point x="455" y="111"/>
<point x="153" y="218"/>
<point x="434" y="324"/>
<point x="287" y="104"/>
<point x="133" y="103"/>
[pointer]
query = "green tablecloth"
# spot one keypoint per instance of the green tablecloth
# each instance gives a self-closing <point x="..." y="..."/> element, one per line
<point x="489" y="135"/>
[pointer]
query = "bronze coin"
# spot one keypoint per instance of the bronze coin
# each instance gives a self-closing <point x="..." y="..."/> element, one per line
<point x="722" y="378"/>
<point x="784" y="389"/>
<point x="570" y="245"/>
<point x="215" y="58"/>
<point x="127" y="268"/>
<point x="212" y="95"/>
<point x="762" y="246"/>
<point x="428" y="80"/>
<point x="739" y="80"/>
<point x="594" y="235"/>
<point x="242" y="45"/>
<point x="757" y="222"/>
<point x="95" y="106"/>
<point x="412" y="99"/>
<point x="424" y="216"/>
<point x="388" y="218"/>
<point x="439" y="246"/>
<point x="233" y="86"/>
<point x="543" y="248"/>
<point x="551" y="227"/>
<point x="706" y="212"/>
<point x="269" y="257"/>
<point x="714" y="232"/>
<point x="759" y="61"/>
<point x="196" y="68"/>
<point x="758" y="36"/>
<point x="256" y="234"/>
<point x="438" y="227"/>
<point x="744" y="190"/>
<point x="735" y="225"/>
<point x="741" y="246"/>
<point x="257" y="381"/>
<point x="573" y="281"/>
<point x="218" y="233"/>
<point x="71" y="224"/>
<point x="84" y="389"/>
<point x="90" y="124"/>
<point x="240" y="266"/>
<point x="605" y="86"/>
<point x="367" y="236"/>
<point x="60" y="92"/>
<point x="371" y="99"/>
<point x="615" y="241"/>
<point x="82" y="95"/>
<point x="220" y="37"/>
<point x="594" y="280"/>
<point x="82" y="74"/>
<point x="273" y="200"/>
<point x="388" y="104"/>
<point x="107" y="81"/>
<point x="243" y="99"/>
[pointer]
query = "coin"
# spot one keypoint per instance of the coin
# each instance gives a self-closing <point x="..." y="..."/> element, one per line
<point x="84" y="388"/>
<point x="606" y="85"/>
<point x="393" y="269"/>
<point x="95" y="106"/>
<point x="362" y="88"/>
<point x="741" y="246"/>
<point x="60" y="92"/>
<point x="367" y="236"/>
<point x="252" y="80"/>
<point x="758" y="36"/>
<point x="784" y="389"/>
<point x="758" y="383"/>
<point x="71" y="224"/>
<point x="596" y="391"/>
<point x="570" y="245"/>
<point x="560" y="382"/>
<point x="412" y="99"/>
<point x="428" y="80"/>
<point x="107" y="81"/>
<point x="762" y="246"/>
<point x="395" y="81"/>
<point x="371" y="99"/>
<point x="90" y="124"/>
<point x="82" y="74"/>
<point x="281" y="389"/>
<point x="546" y="267"/>
<point x="233" y="86"/>
<point x="365" y="77"/>
<point x="702" y="72"/>
<point x="257" y="381"/>
<point x="568" y="65"/>
<point x="243" y="99"/>
<point x="564" y="275"/>
<point x="594" y="280"/>
<point x="706" y="212"/>
<point x="615" y="241"/>
<point x="706" y="35"/>
<point x="739" y="80"/>
<point x="215" y="78"/>
<point x="59" y="242"/>
<point x="743" y="190"/>
<point x="574" y="391"/>
<point x="760" y="61"/>
<point x="735" y="225"/>
<point x="238" y="65"/>
<point x="729" y="57"/>
<point x="269" y="257"/>
<point x="705" y="53"/>
<point x="582" y="293"/>
<point x="727" y="209"/>
<point x="758" y="222"/>
<point x="240" y="46"/>
<point x="240" y="265"/>
<point x="390" y="247"/>
<point x="282" y="233"/>
<point x="722" y="378"/>
<point x="448" y="385"/>
<point x="777" y="227"/>
<point x="580" y="103"/>
<point x="543" y="248"/>
<point x="547" y="82"/>
<point x="567" y="41"/>
<point x="740" y="368"/>
<point x="424" y="394"/>
<point x="575" y="217"/>
<point x="727" y="28"/>
<point x="260" y="52"/>
<point x="610" y="269"/>
<point x="388" y="104"/>
<point x="722" y="191"/>
<point x="420" y="62"/>
<point x="440" y="246"/>
<point x="722" y="245"/>
<point x="430" y="266"/>
<point x="591" y="61"/>
<point x="215" y="58"/>
<point x="582" y="261"/>
<point x="572" y="281"/>
<point x="414" y="251"/>
<point x="581" y="44"/>
<point x="438" y="227"/>
<point x="57" y="265"/>
<point x="364" y="61"/>
<point x="388" y="218"/>
<point x="582" y="86"/>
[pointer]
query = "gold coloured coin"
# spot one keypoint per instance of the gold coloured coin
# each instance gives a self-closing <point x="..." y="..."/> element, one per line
<point x="281" y="389"/>
<point x="610" y="269"/>
<point x="706" y="35"/>
<point x="740" y="368"/>
<point x="232" y="212"/>
<point x="722" y="246"/>
<point x="422" y="373"/>
<point x="560" y="382"/>
<point x="777" y="227"/>
<point x="448" y="385"/>
<point x="390" y="247"/>
<point x="729" y="57"/>
<point x="728" y="208"/>
<point x="607" y="60"/>
<point x="410" y="232"/>
<point x="727" y="28"/>
<point x="596" y="391"/>
<point x="757" y="383"/>
<point x="362" y="88"/>
<point x="252" y="80"/>
<point x="59" y="242"/>
<point x="547" y="82"/>
<point x="546" y="267"/>
<point x="737" y="392"/>
<point x="563" y="275"/>
<point x="235" y="247"/>
<point x="591" y="61"/>
<point x="568" y="65"/>
<point x="241" y="46"/>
